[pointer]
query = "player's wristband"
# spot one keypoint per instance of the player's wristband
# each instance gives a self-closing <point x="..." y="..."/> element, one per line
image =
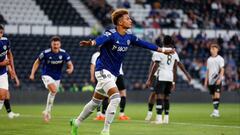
<point x="173" y="83"/>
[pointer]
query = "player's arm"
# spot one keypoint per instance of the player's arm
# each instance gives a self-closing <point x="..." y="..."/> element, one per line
<point x="17" y="82"/>
<point x="221" y="74"/>
<point x="100" y="40"/>
<point x="92" y="71"/>
<point x="11" y="64"/>
<point x="34" y="68"/>
<point x="206" y="78"/>
<point x="174" y="75"/>
<point x="4" y="63"/>
<point x="151" y="73"/>
<point x="182" y="67"/>
<point x="70" y="67"/>
<point x="147" y="45"/>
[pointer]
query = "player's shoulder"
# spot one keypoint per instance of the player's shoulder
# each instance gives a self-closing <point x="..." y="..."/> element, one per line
<point x="62" y="51"/>
<point x="220" y="57"/>
<point x="47" y="51"/>
<point x="4" y="38"/>
<point x="96" y="53"/>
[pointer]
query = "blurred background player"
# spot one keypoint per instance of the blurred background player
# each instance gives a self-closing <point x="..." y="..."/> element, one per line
<point x="6" y="61"/>
<point x="122" y="90"/>
<point x="152" y="96"/>
<point x="113" y="44"/>
<point x="52" y="61"/>
<point x="166" y="66"/>
<point x="214" y="77"/>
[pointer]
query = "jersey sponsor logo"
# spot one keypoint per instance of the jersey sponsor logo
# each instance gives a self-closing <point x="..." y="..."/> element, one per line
<point x="119" y="48"/>
<point x="3" y="53"/>
<point x="117" y="42"/>
<point x="55" y="62"/>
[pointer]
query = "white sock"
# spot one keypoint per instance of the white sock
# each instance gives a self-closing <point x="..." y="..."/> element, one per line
<point x="50" y="100"/>
<point x="1" y="104"/>
<point x="111" y="111"/>
<point x="121" y="114"/>
<point x="149" y="113"/>
<point x="88" y="110"/>
<point x="159" y="118"/>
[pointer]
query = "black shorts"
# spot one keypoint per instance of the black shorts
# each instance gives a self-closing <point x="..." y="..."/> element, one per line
<point x="214" y="88"/>
<point x="163" y="87"/>
<point x="120" y="83"/>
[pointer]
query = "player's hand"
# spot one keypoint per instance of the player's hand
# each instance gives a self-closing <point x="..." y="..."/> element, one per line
<point x="17" y="82"/>
<point x="172" y="51"/>
<point x="69" y="71"/>
<point x="93" y="80"/>
<point x="86" y="43"/>
<point x="173" y="87"/>
<point x="5" y="62"/>
<point x="189" y="78"/>
<point x="205" y="84"/>
<point x="12" y="74"/>
<point x="218" y="82"/>
<point x="148" y="83"/>
<point x="32" y="77"/>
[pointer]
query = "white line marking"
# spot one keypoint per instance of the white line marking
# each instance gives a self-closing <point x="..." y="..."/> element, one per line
<point x="137" y="121"/>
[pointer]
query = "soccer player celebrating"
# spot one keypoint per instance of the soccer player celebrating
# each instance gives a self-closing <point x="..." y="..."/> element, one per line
<point x="6" y="60"/>
<point x="214" y="76"/>
<point x="113" y="44"/>
<point x="52" y="61"/>
<point x="166" y="77"/>
<point x="120" y="85"/>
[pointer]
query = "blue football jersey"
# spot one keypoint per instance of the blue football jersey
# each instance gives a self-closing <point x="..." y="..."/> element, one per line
<point x="113" y="48"/>
<point x="52" y="63"/>
<point x="4" y="48"/>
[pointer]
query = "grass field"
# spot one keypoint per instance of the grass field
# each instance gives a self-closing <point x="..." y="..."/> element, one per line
<point x="185" y="119"/>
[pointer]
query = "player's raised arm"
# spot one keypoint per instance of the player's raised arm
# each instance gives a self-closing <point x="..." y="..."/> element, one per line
<point x="100" y="40"/>
<point x="147" y="45"/>
<point x="34" y="69"/>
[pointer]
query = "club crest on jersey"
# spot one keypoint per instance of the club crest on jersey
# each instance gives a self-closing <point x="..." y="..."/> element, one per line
<point x="128" y="42"/>
<point x="50" y="58"/>
<point x="4" y="47"/>
<point x="60" y="57"/>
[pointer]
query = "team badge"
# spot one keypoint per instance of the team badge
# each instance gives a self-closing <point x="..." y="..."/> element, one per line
<point x="60" y="57"/>
<point x="128" y="42"/>
<point x="50" y="57"/>
<point x="4" y="47"/>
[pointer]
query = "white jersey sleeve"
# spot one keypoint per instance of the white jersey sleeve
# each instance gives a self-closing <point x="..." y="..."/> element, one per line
<point x="94" y="58"/>
<point x="121" y="70"/>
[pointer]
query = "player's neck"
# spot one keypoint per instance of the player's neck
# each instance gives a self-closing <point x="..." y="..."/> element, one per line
<point x="215" y="55"/>
<point x="55" y="51"/>
<point x="121" y="30"/>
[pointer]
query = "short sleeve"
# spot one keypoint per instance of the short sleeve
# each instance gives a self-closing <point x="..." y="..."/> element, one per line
<point x="67" y="57"/>
<point x="156" y="56"/>
<point x="41" y="56"/>
<point x="221" y="62"/>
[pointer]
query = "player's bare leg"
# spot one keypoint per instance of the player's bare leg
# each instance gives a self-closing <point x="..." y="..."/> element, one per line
<point x="50" y="100"/>
<point x="151" y="100"/>
<point x="3" y="95"/>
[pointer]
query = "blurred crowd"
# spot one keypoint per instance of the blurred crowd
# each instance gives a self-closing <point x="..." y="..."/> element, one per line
<point x="194" y="14"/>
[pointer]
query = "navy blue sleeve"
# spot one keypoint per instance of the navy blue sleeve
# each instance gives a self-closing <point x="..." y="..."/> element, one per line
<point x="8" y="45"/>
<point x="67" y="57"/>
<point x="144" y="44"/>
<point x="106" y="36"/>
<point x="41" y="56"/>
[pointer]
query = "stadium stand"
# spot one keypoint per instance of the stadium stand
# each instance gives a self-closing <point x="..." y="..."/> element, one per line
<point x="22" y="12"/>
<point x="61" y="13"/>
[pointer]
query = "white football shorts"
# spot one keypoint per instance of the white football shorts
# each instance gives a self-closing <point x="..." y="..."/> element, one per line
<point x="49" y="80"/>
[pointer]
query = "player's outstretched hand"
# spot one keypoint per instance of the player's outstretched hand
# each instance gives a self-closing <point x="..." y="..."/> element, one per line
<point x="17" y="82"/>
<point x="86" y="43"/>
<point x="173" y="87"/>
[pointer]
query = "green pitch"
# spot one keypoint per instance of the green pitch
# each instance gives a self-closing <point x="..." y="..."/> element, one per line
<point x="185" y="119"/>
